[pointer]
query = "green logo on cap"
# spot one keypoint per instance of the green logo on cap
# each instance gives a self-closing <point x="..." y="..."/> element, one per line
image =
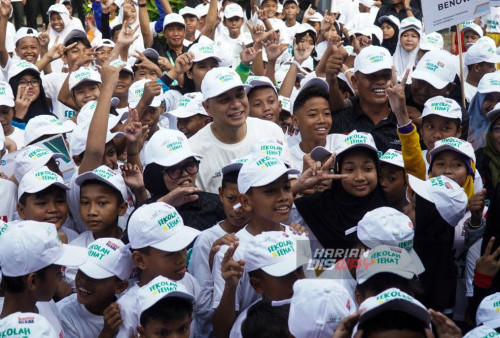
<point x="355" y="139"/>
<point x="281" y="248"/>
<point x="35" y="154"/>
<point x="163" y="287"/>
<point x="169" y="221"/>
<point x="391" y="256"/>
<point x="3" y="227"/>
<point x="454" y="142"/>
<point x="267" y="162"/>
<point x="106" y="174"/>
<point x="83" y="75"/>
<point x="441" y="106"/>
<point x="16" y="331"/>
<point x="97" y="251"/>
<point x="390" y="295"/>
<point x="376" y="59"/>
<point x="46" y="175"/>
<point x="271" y="150"/>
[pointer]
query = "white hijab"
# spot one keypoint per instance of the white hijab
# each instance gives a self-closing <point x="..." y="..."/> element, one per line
<point x="403" y="59"/>
<point x="68" y="25"/>
<point x="139" y="43"/>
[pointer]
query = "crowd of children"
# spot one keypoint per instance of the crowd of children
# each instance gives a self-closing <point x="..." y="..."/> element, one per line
<point x="269" y="171"/>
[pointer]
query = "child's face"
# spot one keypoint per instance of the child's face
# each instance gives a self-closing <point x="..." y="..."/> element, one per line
<point x="151" y="116"/>
<point x="387" y="30"/>
<point x="230" y="109"/>
<point x="125" y="80"/>
<point x="270" y="204"/>
<point x="28" y="48"/>
<point x="50" y="207"/>
<point x="181" y="175"/>
<point x="371" y="87"/>
<point x="264" y="104"/>
<point x="178" y="328"/>
<point x="99" y="207"/>
<point x="409" y="40"/>
<point x="435" y="128"/>
<point x="392" y="181"/>
<point x="450" y="164"/>
<point x="145" y="74"/>
<point x="103" y="55"/>
<point x="290" y="10"/>
<point x="316" y="25"/>
<point x="56" y="22"/>
<point x="229" y="198"/>
<point x="169" y="264"/>
<point x="190" y="125"/>
<point x="6" y="116"/>
<point x="306" y="41"/>
<point x="110" y="158"/>
<point x="490" y="101"/>
<point x="285" y="121"/>
<point x="314" y="120"/>
<point x="422" y="90"/>
<point x="278" y="288"/>
<point x="495" y="133"/>
<point x="191" y="22"/>
<point x="234" y="26"/>
<point x="199" y="69"/>
<point x="86" y="92"/>
<point x="95" y="293"/>
<point x="361" y="172"/>
<point x="470" y="37"/>
<point x="175" y="34"/>
<point x="74" y="54"/>
<point x="47" y="285"/>
<point x="29" y="84"/>
<point x="270" y="6"/>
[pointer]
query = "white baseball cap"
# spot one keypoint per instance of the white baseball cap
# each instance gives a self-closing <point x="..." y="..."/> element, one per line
<point x="167" y="147"/>
<point x="431" y="41"/>
<point x="78" y="138"/>
<point x="481" y="332"/>
<point x="471" y="26"/>
<point x="357" y="139"/>
<point x="483" y="50"/>
<point x="488" y="312"/>
<point x="269" y="146"/>
<point x="492" y="114"/>
<point x="203" y="51"/>
<point x="392" y="299"/>
<point x="98" y="43"/>
<point x="28" y="246"/>
<point x="26" y="325"/>
<point x="6" y="95"/>
<point x="42" y="125"/>
<point x="158" y="289"/>
<point x="20" y="67"/>
<point x="160" y="226"/>
<point x="189" y="105"/>
<point x="202" y="10"/>
<point x="259" y="81"/>
<point x="437" y="67"/>
<point x="83" y="74"/>
<point x="442" y="106"/>
<point x="86" y="113"/>
<point x="24" y="32"/>
<point x="410" y="23"/>
<point x="108" y="257"/>
<point x="316" y="17"/>
<point x="107" y="175"/>
<point x="489" y="83"/>
<point x="118" y="63"/>
<point x="218" y="81"/>
<point x="372" y="59"/>
<point x="58" y="8"/>
<point x="38" y="180"/>
<point x="136" y="91"/>
<point x="317" y="307"/>
<point x="450" y="199"/>
<point x="173" y="18"/>
<point x="390" y="18"/>
<point x="367" y="3"/>
<point x="32" y="157"/>
<point x="285" y="103"/>
<point x="454" y="144"/>
<point x="188" y="11"/>
<point x="262" y="170"/>
<point x="305" y="27"/>
<point x="294" y="1"/>
<point x="235" y="165"/>
<point x="312" y="82"/>
<point x="394" y="157"/>
<point x="276" y="253"/>
<point x="233" y="10"/>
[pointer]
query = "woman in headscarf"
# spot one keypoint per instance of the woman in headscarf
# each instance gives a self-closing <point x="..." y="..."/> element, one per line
<point x="406" y="52"/>
<point x="390" y="29"/>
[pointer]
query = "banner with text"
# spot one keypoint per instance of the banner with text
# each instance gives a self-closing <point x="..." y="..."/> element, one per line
<point x="440" y="14"/>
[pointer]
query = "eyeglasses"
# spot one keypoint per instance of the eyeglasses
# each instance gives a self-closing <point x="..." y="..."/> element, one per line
<point x="33" y="83"/>
<point x="175" y="172"/>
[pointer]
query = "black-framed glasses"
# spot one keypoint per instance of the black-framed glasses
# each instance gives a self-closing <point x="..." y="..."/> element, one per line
<point x="33" y="83"/>
<point x="176" y="171"/>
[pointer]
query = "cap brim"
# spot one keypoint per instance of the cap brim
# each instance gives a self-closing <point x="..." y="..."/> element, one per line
<point x="94" y="271"/>
<point x="7" y="102"/>
<point x="41" y="187"/>
<point x="358" y="145"/>
<point x="442" y="148"/>
<point x="71" y="256"/>
<point x="391" y="162"/>
<point x="429" y="78"/>
<point x="418" y="187"/>
<point x="222" y="90"/>
<point x="258" y="83"/>
<point x="168" y="161"/>
<point x="274" y="176"/>
<point x="110" y="136"/>
<point x="84" y="81"/>
<point x="399" y="305"/>
<point x="178" y="241"/>
<point x="283" y="267"/>
<point x="204" y="57"/>
<point x="185" y="113"/>
<point x="319" y="153"/>
<point x="417" y="263"/>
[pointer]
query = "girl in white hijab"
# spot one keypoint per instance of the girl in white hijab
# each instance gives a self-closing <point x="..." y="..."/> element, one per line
<point x="406" y="52"/>
<point x="133" y="21"/>
<point x="60" y="23"/>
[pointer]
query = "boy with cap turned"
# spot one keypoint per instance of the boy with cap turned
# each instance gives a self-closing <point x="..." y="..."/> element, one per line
<point x="273" y="261"/>
<point x="92" y="311"/>
<point x="158" y="239"/>
<point x="370" y="111"/>
<point x="165" y="306"/>
<point x="266" y="195"/>
<point x="190" y="114"/>
<point x="232" y="133"/>
<point x="31" y="256"/>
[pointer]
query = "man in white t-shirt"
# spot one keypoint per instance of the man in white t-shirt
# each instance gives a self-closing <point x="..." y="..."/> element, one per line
<point x="232" y="133"/>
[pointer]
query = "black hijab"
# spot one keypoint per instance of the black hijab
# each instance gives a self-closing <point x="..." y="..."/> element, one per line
<point x="37" y="107"/>
<point x="391" y="43"/>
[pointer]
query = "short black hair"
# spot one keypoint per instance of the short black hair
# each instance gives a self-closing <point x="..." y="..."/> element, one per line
<point x="266" y="321"/>
<point x="116" y="29"/>
<point x="166" y="309"/>
<point x="17" y="284"/>
<point x="103" y="184"/>
<point x="340" y="158"/>
<point x="230" y="177"/>
<point x="308" y="93"/>
<point x="41" y="193"/>
<point x="392" y="320"/>
<point x="344" y="87"/>
<point x="480" y="64"/>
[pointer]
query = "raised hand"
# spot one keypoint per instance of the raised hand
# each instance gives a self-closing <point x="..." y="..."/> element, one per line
<point x="132" y="176"/>
<point x="308" y="13"/>
<point x="110" y="72"/>
<point x="445" y="327"/>
<point x="183" y="63"/>
<point x="112" y="321"/>
<point x="227" y="239"/>
<point x="57" y="50"/>
<point x="301" y="51"/>
<point x="273" y="49"/>
<point x="249" y="54"/>
<point x="317" y="173"/>
<point x="23" y="102"/>
<point x="127" y="35"/>
<point x="488" y="264"/>
<point x="146" y="63"/>
<point x="262" y="15"/>
<point x="476" y="207"/>
<point x="44" y="37"/>
<point x="88" y="56"/>
<point x="334" y="63"/>
<point x="232" y="270"/>
<point x="5" y="8"/>
<point x="180" y="196"/>
<point x="396" y="96"/>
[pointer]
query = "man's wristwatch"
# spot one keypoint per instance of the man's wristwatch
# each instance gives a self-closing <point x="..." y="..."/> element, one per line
<point x="142" y="4"/>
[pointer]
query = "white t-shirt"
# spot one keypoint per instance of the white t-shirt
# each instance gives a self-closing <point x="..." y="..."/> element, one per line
<point x="292" y="30"/>
<point x="84" y="239"/>
<point x="8" y="200"/>
<point x="228" y="49"/>
<point x="50" y="312"/>
<point x="77" y="321"/>
<point x="220" y="154"/>
<point x="470" y="91"/>
<point x="52" y="84"/>
<point x="492" y="20"/>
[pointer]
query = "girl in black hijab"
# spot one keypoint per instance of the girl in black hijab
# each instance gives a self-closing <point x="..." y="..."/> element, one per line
<point x="390" y="30"/>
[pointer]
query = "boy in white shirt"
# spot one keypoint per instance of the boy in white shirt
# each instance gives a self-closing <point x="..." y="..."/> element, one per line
<point x="291" y="10"/>
<point x="92" y="311"/>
